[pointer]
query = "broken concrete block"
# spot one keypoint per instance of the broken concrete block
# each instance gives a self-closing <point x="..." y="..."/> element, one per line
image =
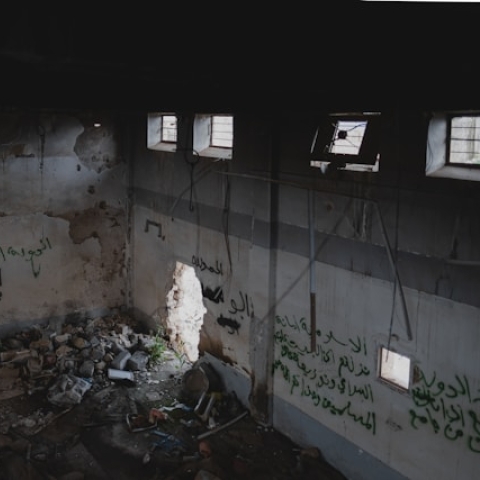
<point x="120" y="360"/>
<point x="138" y="361"/>
<point x="86" y="369"/>
<point x="80" y="343"/>
<point x="114" y="374"/>
<point x="62" y="339"/>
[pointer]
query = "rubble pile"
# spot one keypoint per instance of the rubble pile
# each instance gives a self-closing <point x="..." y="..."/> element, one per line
<point x="104" y="399"/>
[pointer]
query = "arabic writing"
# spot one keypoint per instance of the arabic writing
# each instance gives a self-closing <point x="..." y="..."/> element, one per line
<point x="199" y="262"/>
<point x="340" y="371"/>
<point x="245" y="305"/>
<point x="27" y="255"/>
<point x="439" y="405"/>
<point x="215" y="295"/>
<point x="230" y="323"/>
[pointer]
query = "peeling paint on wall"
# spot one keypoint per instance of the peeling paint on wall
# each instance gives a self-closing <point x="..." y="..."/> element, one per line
<point x="97" y="148"/>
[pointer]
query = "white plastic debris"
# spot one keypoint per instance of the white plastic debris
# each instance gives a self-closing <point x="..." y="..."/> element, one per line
<point x="68" y="390"/>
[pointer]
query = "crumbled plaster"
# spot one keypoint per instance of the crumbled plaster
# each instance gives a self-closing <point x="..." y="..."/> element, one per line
<point x="97" y="147"/>
<point x="108" y="226"/>
<point x="185" y="311"/>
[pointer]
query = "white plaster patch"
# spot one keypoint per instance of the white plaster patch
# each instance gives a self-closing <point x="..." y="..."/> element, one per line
<point x="185" y="311"/>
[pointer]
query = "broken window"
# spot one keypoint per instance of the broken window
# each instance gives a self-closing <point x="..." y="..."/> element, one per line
<point x="394" y="368"/>
<point x="347" y="141"/>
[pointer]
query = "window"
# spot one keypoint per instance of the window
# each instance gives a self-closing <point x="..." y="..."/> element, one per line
<point x="453" y="145"/>
<point x="394" y="368"/>
<point x="347" y="141"/>
<point x="464" y="140"/>
<point x="162" y="131"/>
<point x="213" y="136"/>
<point x="222" y="131"/>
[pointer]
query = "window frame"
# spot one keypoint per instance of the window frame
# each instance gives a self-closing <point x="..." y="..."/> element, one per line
<point x="448" y="162"/>
<point x="202" y="137"/>
<point x="368" y="155"/>
<point x="389" y="381"/>
<point x="155" y="131"/>
<point x="437" y="146"/>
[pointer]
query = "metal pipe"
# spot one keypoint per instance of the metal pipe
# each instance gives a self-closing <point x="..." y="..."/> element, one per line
<point x="395" y="271"/>
<point x="313" y="286"/>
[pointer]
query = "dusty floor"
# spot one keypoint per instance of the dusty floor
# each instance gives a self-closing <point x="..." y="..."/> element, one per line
<point x="153" y="425"/>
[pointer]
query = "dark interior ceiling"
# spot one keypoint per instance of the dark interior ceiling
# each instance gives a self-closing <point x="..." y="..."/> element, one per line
<point x="364" y="55"/>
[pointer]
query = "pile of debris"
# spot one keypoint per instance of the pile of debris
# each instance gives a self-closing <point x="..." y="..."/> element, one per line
<point x="104" y="399"/>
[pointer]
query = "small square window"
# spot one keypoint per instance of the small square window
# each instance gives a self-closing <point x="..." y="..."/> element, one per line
<point x="222" y="131"/>
<point x="394" y="368"/>
<point x="213" y="136"/>
<point x="464" y="140"/>
<point x="453" y="145"/>
<point x="162" y="132"/>
<point x="347" y="141"/>
<point x="169" y="129"/>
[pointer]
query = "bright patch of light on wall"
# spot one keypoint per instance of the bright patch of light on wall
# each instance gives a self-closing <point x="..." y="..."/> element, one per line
<point x="394" y="368"/>
<point x="97" y="124"/>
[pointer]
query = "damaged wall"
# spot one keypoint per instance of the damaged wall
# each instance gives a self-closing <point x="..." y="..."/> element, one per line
<point x="251" y="242"/>
<point x="63" y="249"/>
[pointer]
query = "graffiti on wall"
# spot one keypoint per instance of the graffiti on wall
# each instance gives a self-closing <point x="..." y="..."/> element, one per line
<point x="31" y="255"/>
<point x="215" y="295"/>
<point x="336" y="369"/>
<point x="201" y="265"/>
<point x="239" y="308"/>
<point x="437" y="405"/>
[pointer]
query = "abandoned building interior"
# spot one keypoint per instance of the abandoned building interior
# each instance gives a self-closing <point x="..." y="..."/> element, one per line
<point x="290" y="199"/>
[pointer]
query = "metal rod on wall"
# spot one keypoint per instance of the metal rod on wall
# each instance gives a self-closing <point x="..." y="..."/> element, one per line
<point x="384" y="233"/>
<point x="313" y="286"/>
<point x="395" y="271"/>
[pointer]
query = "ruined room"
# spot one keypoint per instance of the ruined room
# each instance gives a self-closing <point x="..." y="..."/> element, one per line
<point x="240" y="243"/>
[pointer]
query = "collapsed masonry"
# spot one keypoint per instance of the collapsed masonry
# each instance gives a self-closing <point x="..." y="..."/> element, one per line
<point x="95" y="400"/>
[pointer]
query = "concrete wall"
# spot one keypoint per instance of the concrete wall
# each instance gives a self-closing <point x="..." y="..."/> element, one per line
<point x="91" y="220"/>
<point x="252" y="240"/>
<point x="63" y="220"/>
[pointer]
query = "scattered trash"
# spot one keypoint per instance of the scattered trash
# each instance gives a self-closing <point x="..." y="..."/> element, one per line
<point x="221" y="427"/>
<point x="68" y="390"/>
<point x="156" y="415"/>
<point x="139" y="423"/>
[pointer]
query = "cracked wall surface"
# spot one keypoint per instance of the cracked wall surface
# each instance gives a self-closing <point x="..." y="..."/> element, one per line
<point x="63" y="217"/>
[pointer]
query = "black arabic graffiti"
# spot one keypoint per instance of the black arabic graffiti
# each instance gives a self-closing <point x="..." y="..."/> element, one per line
<point x="198" y="262"/>
<point x="232" y="325"/>
<point x="245" y="305"/>
<point x="28" y="255"/>
<point x="214" y="295"/>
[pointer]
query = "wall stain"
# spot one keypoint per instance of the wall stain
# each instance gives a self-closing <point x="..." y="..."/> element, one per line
<point x="108" y="225"/>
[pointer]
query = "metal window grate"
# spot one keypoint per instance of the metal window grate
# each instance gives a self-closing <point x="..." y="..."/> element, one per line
<point x="222" y="131"/>
<point x="169" y="128"/>
<point x="464" y="142"/>
<point x="347" y="137"/>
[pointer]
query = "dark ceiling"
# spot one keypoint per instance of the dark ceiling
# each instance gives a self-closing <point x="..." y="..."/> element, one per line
<point x="226" y="57"/>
